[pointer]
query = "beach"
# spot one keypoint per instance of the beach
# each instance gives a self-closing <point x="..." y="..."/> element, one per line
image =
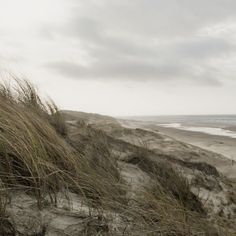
<point x="223" y="147"/>
<point x="216" y="143"/>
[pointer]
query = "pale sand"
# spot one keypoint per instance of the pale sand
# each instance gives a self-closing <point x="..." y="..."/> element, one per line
<point x="220" y="144"/>
<point x="225" y="147"/>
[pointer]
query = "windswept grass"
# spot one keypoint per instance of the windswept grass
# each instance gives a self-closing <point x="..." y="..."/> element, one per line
<point x="99" y="166"/>
<point x="170" y="181"/>
<point x="34" y="156"/>
<point x="160" y="214"/>
<point x="23" y="93"/>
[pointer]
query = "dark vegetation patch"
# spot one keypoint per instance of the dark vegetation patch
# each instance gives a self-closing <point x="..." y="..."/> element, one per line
<point x="6" y="227"/>
<point x="170" y="181"/>
<point x="208" y="182"/>
<point x="201" y="166"/>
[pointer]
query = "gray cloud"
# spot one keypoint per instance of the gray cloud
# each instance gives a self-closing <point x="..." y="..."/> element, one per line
<point x="155" y="17"/>
<point x="185" y="60"/>
<point x="137" y="71"/>
<point x="147" y="40"/>
<point x="113" y="70"/>
<point x="163" y="56"/>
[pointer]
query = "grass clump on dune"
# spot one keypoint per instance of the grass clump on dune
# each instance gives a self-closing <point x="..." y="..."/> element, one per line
<point x="169" y="180"/>
<point x="34" y="155"/>
<point x="25" y="94"/>
<point x="100" y="165"/>
<point x="160" y="214"/>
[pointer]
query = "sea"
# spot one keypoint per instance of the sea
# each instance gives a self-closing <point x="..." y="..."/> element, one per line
<point x="222" y="125"/>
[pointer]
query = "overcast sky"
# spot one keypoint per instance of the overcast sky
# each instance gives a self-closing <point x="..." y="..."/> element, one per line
<point x="119" y="57"/>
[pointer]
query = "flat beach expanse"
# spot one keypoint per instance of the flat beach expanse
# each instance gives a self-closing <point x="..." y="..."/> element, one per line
<point x="222" y="145"/>
<point x="219" y="144"/>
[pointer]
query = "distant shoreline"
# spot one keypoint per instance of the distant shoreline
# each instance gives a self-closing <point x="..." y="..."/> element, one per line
<point x="224" y="146"/>
<point x="220" y="144"/>
<point x="215" y="131"/>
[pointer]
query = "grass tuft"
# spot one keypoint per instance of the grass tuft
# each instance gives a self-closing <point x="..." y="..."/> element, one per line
<point x="35" y="156"/>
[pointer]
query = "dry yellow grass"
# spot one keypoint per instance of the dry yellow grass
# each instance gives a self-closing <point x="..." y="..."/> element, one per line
<point x="34" y="156"/>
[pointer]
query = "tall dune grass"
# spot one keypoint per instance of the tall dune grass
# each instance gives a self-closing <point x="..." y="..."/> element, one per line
<point x="34" y="156"/>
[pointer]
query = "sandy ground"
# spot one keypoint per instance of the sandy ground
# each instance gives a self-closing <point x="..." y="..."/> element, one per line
<point x="225" y="162"/>
<point x="225" y="146"/>
<point x="220" y="144"/>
